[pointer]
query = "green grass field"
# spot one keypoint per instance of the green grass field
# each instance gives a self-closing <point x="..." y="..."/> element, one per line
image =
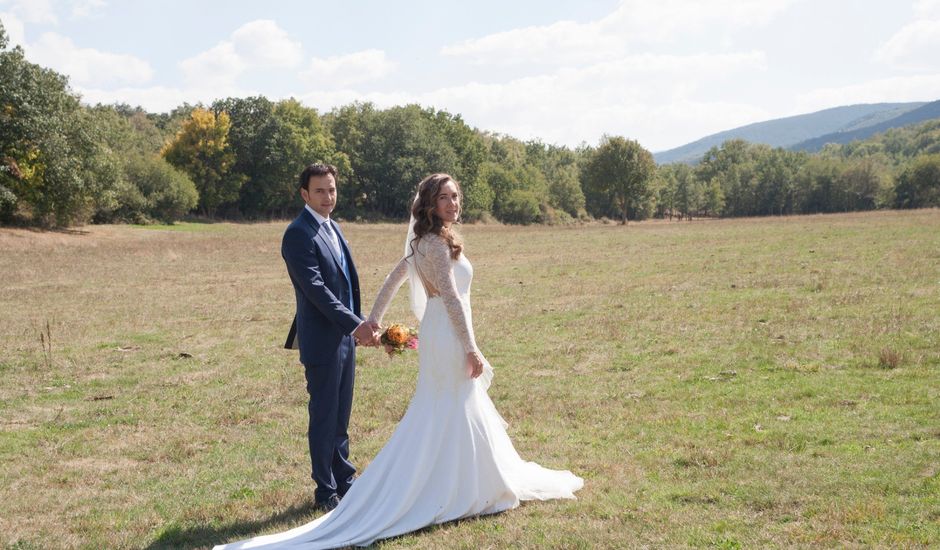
<point x="749" y="383"/>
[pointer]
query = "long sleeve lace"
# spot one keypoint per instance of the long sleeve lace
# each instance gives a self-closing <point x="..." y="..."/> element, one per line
<point x="388" y="290"/>
<point x="437" y="267"/>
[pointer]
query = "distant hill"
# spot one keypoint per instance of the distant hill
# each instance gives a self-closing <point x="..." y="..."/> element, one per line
<point x="799" y="129"/>
<point x="925" y="112"/>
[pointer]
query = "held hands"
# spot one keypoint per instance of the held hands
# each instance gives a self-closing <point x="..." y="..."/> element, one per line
<point x="367" y="334"/>
<point x="474" y="364"/>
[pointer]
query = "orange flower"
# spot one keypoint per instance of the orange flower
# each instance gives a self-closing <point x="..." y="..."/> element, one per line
<point x="397" y="338"/>
<point x="397" y="335"/>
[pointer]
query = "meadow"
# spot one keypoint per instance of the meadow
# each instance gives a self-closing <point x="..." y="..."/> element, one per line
<point x="767" y="382"/>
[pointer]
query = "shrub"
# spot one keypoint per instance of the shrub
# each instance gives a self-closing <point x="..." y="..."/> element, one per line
<point x="7" y="204"/>
<point x="158" y="190"/>
<point x="520" y="207"/>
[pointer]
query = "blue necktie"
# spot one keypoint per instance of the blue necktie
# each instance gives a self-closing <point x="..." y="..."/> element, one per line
<point x="338" y="248"/>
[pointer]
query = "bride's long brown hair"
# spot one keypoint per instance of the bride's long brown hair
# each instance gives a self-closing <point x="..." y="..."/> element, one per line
<point x="426" y="221"/>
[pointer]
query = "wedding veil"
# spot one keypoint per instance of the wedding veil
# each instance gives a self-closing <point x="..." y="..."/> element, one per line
<point x="419" y="298"/>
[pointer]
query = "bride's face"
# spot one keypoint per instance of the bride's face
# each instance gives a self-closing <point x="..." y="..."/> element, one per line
<point x="447" y="203"/>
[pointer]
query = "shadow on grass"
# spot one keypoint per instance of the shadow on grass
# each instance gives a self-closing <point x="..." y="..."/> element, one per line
<point x="438" y="526"/>
<point x="205" y="536"/>
<point x="60" y="230"/>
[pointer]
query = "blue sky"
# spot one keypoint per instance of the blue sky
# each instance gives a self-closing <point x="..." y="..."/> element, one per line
<point x="663" y="72"/>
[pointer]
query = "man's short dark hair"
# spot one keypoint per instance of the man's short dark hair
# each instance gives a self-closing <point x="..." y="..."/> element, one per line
<point x="315" y="169"/>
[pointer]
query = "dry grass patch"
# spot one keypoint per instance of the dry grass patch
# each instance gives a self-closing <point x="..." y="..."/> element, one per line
<point x="713" y="382"/>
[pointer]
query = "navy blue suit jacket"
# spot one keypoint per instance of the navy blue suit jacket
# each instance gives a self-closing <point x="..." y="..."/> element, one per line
<point x="323" y="316"/>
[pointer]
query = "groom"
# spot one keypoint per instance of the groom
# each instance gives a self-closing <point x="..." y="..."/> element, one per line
<point x="327" y="326"/>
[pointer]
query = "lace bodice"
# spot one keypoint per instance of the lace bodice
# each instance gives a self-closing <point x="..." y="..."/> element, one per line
<point x="443" y="277"/>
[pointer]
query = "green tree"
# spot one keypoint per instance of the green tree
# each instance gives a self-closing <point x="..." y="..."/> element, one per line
<point x="772" y="183"/>
<point x="272" y="142"/>
<point x="527" y="202"/>
<point x="168" y="194"/>
<point x="733" y="164"/>
<point x="688" y="194"/>
<point x="201" y="150"/>
<point x="520" y="206"/>
<point x="714" y="198"/>
<point x="126" y="134"/>
<point x="919" y="184"/>
<point x="817" y="187"/>
<point x="619" y="173"/>
<point x="478" y="198"/>
<point x="864" y="183"/>
<point x="564" y="190"/>
<point x="53" y="170"/>
<point x="665" y="185"/>
<point x="500" y="181"/>
<point x="559" y="166"/>
<point x="391" y="151"/>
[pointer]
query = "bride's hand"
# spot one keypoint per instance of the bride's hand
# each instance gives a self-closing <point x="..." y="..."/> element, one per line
<point x="474" y="364"/>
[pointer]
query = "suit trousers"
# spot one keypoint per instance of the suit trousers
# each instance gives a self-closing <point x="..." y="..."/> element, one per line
<point x="330" y="387"/>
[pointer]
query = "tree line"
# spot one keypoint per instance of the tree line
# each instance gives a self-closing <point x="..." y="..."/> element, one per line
<point x="64" y="163"/>
<point x="897" y="169"/>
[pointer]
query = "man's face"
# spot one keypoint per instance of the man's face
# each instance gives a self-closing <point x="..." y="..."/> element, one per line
<point x="320" y="194"/>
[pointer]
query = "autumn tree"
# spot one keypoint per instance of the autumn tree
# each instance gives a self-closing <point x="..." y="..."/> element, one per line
<point x="201" y="149"/>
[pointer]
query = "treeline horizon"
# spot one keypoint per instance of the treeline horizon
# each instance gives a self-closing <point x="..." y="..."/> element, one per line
<point x="63" y="163"/>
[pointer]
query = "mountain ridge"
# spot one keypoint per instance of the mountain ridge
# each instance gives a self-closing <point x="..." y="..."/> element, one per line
<point x="925" y="112"/>
<point x="791" y="131"/>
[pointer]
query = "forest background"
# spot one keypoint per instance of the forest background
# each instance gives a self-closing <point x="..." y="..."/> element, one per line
<point x="64" y="163"/>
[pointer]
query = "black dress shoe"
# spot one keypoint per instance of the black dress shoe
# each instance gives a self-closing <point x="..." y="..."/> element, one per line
<point x="327" y="505"/>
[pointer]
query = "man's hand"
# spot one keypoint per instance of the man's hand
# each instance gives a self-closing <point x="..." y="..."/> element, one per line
<point x="366" y="335"/>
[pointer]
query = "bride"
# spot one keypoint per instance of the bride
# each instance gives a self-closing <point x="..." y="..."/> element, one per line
<point x="450" y="456"/>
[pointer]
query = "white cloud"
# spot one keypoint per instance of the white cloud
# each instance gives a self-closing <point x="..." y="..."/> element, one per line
<point x="32" y="11"/>
<point x="600" y="86"/>
<point x="14" y="28"/>
<point x="702" y="65"/>
<point x="561" y="42"/>
<point x="915" y="46"/>
<point x="895" y="89"/>
<point x="159" y="99"/>
<point x="254" y="45"/>
<point x="262" y="43"/>
<point x="87" y="8"/>
<point x="927" y="9"/>
<point x="633" y="22"/>
<point x="664" y="20"/>
<point x="345" y="70"/>
<point x="218" y="66"/>
<point x="87" y="66"/>
<point x="647" y="97"/>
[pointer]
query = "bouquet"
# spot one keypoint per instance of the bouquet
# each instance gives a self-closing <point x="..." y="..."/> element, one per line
<point x="397" y="338"/>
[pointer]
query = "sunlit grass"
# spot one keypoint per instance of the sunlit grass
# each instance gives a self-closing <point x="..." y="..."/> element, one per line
<point x="740" y="383"/>
<point x="186" y="227"/>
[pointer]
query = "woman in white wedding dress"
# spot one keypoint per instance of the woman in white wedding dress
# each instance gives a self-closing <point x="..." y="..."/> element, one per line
<point x="450" y="456"/>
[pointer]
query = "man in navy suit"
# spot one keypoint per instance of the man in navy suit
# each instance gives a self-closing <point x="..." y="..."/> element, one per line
<point x="327" y="326"/>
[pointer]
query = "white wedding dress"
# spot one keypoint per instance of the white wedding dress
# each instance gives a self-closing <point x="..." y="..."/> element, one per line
<point x="450" y="456"/>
